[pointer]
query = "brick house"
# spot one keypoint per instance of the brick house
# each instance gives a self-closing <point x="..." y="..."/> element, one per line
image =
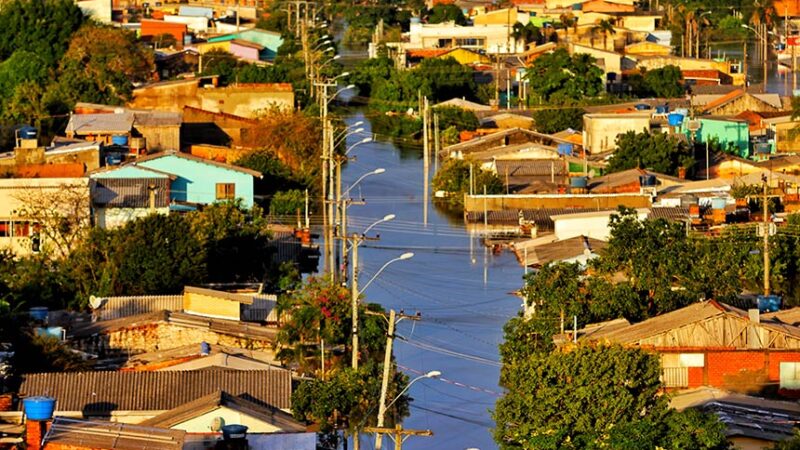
<point x="713" y="344"/>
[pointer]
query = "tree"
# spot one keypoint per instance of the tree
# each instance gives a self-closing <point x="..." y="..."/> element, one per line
<point x="605" y="27"/>
<point x="657" y="151"/>
<point x="367" y="73"/>
<point x="454" y="116"/>
<point x="527" y="33"/>
<point x="446" y="13"/>
<point x="287" y="202"/>
<point x="454" y="176"/>
<point x="43" y="27"/>
<point x="107" y="60"/>
<point x="59" y="216"/>
<point x="437" y="79"/>
<point x="602" y="396"/>
<point x="665" y="81"/>
<point x="567" y="20"/>
<point x="554" y="120"/>
<point x="560" y="78"/>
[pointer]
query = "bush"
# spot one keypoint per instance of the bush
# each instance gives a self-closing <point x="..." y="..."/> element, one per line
<point x="554" y="120"/>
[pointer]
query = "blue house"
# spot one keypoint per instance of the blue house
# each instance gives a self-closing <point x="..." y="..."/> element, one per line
<point x="194" y="181"/>
<point x="270" y="40"/>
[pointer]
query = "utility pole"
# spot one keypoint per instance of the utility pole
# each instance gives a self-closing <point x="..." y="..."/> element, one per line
<point x="354" y="299"/>
<point x="338" y="209"/>
<point x="436" y="143"/>
<point x="744" y="64"/>
<point x="426" y="157"/>
<point x="387" y="362"/>
<point x="766" y="237"/>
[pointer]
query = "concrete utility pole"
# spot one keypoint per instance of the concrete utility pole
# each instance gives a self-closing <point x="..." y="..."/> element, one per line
<point x="766" y="237"/>
<point x="354" y="299"/>
<point x="399" y="432"/>
<point x="426" y="157"/>
<point x="387" y="363"/>
<point x="436" y="143"/>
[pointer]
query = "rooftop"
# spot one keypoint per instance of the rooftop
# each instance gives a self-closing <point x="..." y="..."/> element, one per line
<point x="111" y="435"/>
<point x="101" y="392"/>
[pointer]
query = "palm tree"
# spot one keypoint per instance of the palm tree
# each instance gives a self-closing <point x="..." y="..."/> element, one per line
<point x="603" y="26"/>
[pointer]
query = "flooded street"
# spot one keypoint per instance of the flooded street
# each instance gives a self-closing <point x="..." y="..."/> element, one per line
<point x="463" y="296"/>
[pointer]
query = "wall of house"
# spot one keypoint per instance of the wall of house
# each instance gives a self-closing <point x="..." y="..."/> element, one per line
<point x="602" y="130"/>
<point x="533" y="201"/>
<point x="206" y="47"/>
<point x="210" y="306"/>
<point x="748" y="371"/>
<point x="245" y="52"/>
<point x="730" y="169"/>
<point x="244" y="101"/>
<point x="491" y="38"/>
<point x="725" y="132"/>
<point x="744" y="103"/>
<point x="109" y="218"/>
<point x="787" y="140"/>
<point x="595" y="226"/>
<point x="166" y="97"/>
<point x="612" y="62"/>
<point x="161" y="138"/>
<point x="195" y="24"/>
<point x="197" y="181"/>
<point x="656" y="62"/>
<point x="271" y="441"/>
<point x="202" y="423"/>
<point x="640" y="23"/>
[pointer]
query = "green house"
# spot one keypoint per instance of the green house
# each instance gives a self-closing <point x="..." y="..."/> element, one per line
<point x="726" y="131"/>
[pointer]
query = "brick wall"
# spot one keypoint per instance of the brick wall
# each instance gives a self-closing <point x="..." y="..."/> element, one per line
<point x="34" y="433"/>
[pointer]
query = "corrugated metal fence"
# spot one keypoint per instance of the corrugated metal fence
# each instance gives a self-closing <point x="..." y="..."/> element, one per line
<point x="118" y="307"/>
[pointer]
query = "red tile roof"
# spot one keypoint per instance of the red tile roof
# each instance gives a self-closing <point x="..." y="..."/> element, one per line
<point x="426" y="52"/>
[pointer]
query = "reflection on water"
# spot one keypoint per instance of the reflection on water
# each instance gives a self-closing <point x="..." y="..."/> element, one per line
<point x="461" y="290"/>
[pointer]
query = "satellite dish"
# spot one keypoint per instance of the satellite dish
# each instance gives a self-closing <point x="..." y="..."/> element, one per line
<point x="217" y="423"/>
<point x="96" y="302"/>
<point x="591" y="173"/>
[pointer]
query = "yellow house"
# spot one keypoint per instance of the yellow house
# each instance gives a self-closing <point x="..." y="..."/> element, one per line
<point x="205" y="47"/>
<point x="647" y="49"/>
<point x="465" y="56"/>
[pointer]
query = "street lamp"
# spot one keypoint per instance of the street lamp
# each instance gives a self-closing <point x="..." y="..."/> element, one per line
<point x="377" y="171"/>
<point x="431" y="374"/>
<point x="345" y="134"/>
<point x="366" y="140"/>
<point x="402" y="257"/>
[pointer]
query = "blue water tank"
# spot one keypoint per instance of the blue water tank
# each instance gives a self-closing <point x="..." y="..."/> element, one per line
<point x="578" y="182"/>
<point x="565" y="149"/>
<point x="718" y="203"/>
<point x="662" y="109"/>
<point x="113" y="160"/>
<point x="675" y="119"/>
<point x="577" y="6"/>
<point x="234" y="432"/>
<point x="27" y="132"/>
<point x="38" y="312"/>
<point x="205" y="349"/>
<point x="769" y="303"/>
<point x="119" y="140"/>
<point x="642" y="106"/>
<point x="39" y="408"/>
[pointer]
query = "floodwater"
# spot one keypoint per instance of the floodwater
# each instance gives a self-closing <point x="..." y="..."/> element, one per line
<point x="462" y="292"/>
<point x="779" y="79"/>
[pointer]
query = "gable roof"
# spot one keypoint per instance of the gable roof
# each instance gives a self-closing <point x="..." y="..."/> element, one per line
<point x="531" y="168"/>
<point x="129" y="192"/>
<point x="198" y="159"/>
<point x="463" y="104"/>
<point x="218" y="399"/>
<point x="564" y="249"/>
<point x="74" y="433"/>
<point x="82" y="124"/>
<point x="240" y="298"/>
<point x="773" y="100"/>
<point x="501" y="135"/>
<point x="102" y="392"/>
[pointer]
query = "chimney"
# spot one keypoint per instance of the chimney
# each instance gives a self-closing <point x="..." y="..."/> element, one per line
<point x="754" y="315"/>
<point x="34" y="433"/>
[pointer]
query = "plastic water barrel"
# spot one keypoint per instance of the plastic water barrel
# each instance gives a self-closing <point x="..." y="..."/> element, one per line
<point x="577" y="6"/>
<point x="675" y="119"/>
<point x="662" y="109"/>
<point x="234" y="432"/>
<point x="565" y="149"/>
<point x="642" y="106"/>
<point x="39" y="408"/>
<point x="769" y="303"/>
<point x="762" y="148"/>
<point x="578" y="182"/>
<point x="718" y="203"/>
<point x="27" y="132"/>
<point x="119" y="140"/>
<point x="113" y="160"/>
<point x="38" y="312"/>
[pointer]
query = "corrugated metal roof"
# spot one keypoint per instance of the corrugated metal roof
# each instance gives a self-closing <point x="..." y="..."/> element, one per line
<point x="284" y="421"/>
<point x="76" y="433"/>
<point x="541" y="216"/>
<point x="129" y="192"/>
<point x="83" y="124"/>
<point x="106" y="391"/>
<point x="531" y="167"/>
<point x="157" y="119"/>
<point x="119" y="307"/>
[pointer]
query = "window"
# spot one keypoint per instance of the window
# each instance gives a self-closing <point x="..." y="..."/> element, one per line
<point x="22" y="229"/>
<point x="790" y="375"/>
<point x="5" y="228"/>
<point x="226" y="191"/>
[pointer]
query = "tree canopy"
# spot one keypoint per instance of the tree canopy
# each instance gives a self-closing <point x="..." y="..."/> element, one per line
<point x="654" y="151"/>
<point x="558" y="119"/>
<point x="454" y="178"/>
<point x="446" y="13"/>
<point x="560" y="78"/>
<point x="591" y="397"/>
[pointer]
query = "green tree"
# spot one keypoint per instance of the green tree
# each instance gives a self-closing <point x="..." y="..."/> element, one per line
<point x="591" y="397"/>
<point x="604" y="27"/>
<point x="559" y="119"/>
<point x="287" y="202"/>
<point x="446" y="13"/>
<point x="454" y="116"/>
<point x="437" y="79"/>
<point x="665" y="81"/>
<point x="453" y="178"/>
<point x="560" y="78"/>
<point x="43" y="27"/>
<point x="654" y="151"/>
<point x="528" y="33"/>
<point x="369" y="71"/>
